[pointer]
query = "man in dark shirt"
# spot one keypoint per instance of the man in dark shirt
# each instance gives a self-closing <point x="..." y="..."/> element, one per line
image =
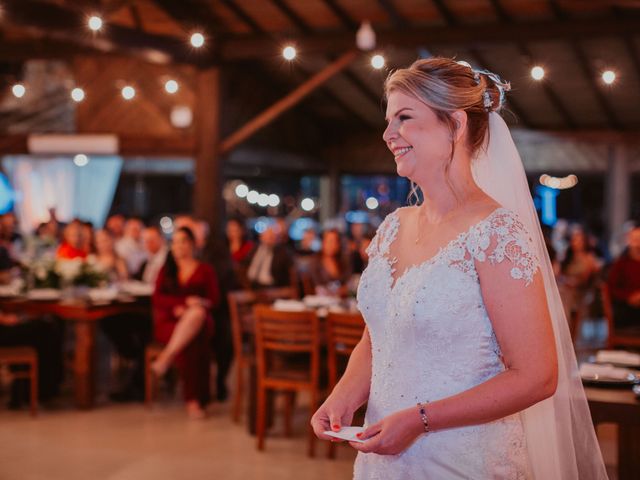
<point x="624" y="284"/>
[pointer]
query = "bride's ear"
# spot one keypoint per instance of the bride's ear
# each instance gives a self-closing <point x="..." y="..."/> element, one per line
<point x="460" y="119"/>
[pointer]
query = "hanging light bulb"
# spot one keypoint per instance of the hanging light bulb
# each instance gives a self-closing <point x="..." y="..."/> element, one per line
<point x="18" y="90"/>
<point x="377" y="61"/>
<point x="197" y="40"/>
<point x="609" y="77"/>
<point x="366" y="37"/>
<point x="537" y="72"/>
<point x="289" y="52"/>
<point x="77" y="94"/>
<point x="94" y="23"/>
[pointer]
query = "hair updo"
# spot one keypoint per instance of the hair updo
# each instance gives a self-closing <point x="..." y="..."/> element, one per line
<point x="445" y="86"/>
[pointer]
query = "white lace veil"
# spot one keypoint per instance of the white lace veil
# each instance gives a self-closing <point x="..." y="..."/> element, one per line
<point x="560" y="436"/>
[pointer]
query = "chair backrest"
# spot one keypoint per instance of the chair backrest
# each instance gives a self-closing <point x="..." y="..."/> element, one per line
<point x="344" y="331"/>
<point x="286" y="332"/>
<point x="241" y="304"/>
<point x="614" y="339"/>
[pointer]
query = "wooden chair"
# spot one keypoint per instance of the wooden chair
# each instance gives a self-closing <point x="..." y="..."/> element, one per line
<point x="344" y="331"/>
<point x="616" y="336"/>
<point x="241" y="304"/>
<point x="280" y="333"/>
<point x="150" y="382"/>
<point x="23" y="356"/>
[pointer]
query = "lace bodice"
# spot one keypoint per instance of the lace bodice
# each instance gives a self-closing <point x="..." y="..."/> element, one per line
<point x="431" y="337"/>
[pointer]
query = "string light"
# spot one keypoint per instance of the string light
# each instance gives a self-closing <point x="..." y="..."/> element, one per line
<point x="609" y="77"/>
<point x="197" y="40"/>
<point x="252" y="197"/>
<point x="171" y="86"/>
<point x="128" y="92"/>
<point x="377" y="61"/>
<point x="94" y="23"/>
<point x="274" y="200"/>
<point x="18" y="90"/>
<point x="559" y="183"/>
<point x="81" y="160"/>
<point x="289" y="52"/>
<point x="77" y="94"/>
<point x="307" y="204"/>
<point x="242" y="190"/>
<point x="372" y="203"/>
<point x="537" y="72"/>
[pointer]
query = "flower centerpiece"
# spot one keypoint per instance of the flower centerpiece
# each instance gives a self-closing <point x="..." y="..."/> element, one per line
<point x="48" y="272"/>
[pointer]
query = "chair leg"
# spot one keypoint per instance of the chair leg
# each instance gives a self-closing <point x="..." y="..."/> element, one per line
<point x="238" y="392"/>
<point x="290" y="401"/>
<point x="34" y="388"/>
<point x="312" y="435"/>
<point x="261" y="416"/>
<point x="148" y="381"/>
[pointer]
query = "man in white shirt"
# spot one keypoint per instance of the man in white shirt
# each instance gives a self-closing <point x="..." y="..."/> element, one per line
<point x="156" y="250"/>
<point x="129" y="247"/>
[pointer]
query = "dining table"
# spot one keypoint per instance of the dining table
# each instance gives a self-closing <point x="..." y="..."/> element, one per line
<point x="84" y="315"/>
<point x="621" y="407"/>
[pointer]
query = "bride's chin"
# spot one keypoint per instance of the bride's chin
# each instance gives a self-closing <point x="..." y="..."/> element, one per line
<point x="403" y="170"/>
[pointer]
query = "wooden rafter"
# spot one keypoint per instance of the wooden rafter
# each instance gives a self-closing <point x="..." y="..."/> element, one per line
<point x="306" y="28"/>
<point x="52" y="22"/>
<point x="396" y="18"/>
<point x="587" y="69"/>
<point x="341" y="14"/>
<point x="258" y="45"/>
<point x="550" y="93"/>
<point x="287" y="102"/>
<point x="333" y="98"/>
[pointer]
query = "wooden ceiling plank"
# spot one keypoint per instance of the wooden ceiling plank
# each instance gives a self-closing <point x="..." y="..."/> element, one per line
<point x="341" y="14"/>
<point x="396" y="18"/>
<point x="550" y="93"/>
<point x="284" y="104"/>
<point x="244" y="16"/>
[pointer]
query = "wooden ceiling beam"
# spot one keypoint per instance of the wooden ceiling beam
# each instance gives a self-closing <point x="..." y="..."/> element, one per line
<point x="550" y="93"/>
<point x="293" y="17"/>
<point x="587" y="69"/>
<point x="341" y="14"/>
<point x="192" y="14"/>
<point x="259" y="45"/>
<point x="328" y="94"/>
<point x="396" y="18"/>
<point x="284" y="104"/>
<point x="47" y="21"/>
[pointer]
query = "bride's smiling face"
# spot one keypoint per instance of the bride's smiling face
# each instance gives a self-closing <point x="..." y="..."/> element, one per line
<point x="419" y="141"/>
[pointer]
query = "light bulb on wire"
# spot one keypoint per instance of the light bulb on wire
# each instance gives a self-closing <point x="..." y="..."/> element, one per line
<point x="197" y="40"/>
<point x="171" y="86"/>
<point x="289" y="52"/>
<point x="77" y="94"/>
<point x="94" y="23"/>
<point x="537" y="72"/>
<point x="18" y="90"/>
<point x="609" y="77"/>
<point x="377" y="61"/>
<point x="128" y="92"/>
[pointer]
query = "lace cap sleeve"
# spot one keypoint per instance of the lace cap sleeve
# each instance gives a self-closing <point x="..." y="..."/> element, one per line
<point x="502" y="237"/>
<point x="384" y="235"/>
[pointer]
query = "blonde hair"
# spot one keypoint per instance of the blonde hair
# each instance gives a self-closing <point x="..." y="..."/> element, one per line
<point x="446" y="86"/>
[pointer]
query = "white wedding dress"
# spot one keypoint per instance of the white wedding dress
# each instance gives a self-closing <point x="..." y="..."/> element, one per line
<point x="431" y="338"/>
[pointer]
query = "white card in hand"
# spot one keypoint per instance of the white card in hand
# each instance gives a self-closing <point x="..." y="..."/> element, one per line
<point x="347" y="433"/>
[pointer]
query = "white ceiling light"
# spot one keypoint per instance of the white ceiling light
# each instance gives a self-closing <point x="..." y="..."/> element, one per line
<point x="242" y="190"/>
<point x="307" y="204"/>
<point x="128" y="92"/>
<point x="289" y="52"/>
<point x="609" y="77"/>
<point x="197" y="40"/>
<point x="171" y="86"/>
<point x="366" y="37"/>
<point x="77" y="94"/>
<point x="18" y="90"/>
<point x="94" y="23"/>
<point x="81" y="160"/>
<point x="377" y="61"/>
<point x="537" y="72"/>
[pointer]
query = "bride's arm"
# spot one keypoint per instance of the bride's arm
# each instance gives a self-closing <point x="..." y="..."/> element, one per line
<point x="349" y="394"/>
<point x="522" y="325"/>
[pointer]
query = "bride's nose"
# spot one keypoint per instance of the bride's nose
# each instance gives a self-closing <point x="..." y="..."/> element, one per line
<point x="389" y="133"/>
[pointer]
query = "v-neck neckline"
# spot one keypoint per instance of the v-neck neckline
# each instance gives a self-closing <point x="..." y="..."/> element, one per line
<point x="391" y="261"/>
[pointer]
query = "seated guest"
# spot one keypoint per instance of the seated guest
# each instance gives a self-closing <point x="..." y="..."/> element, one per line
<point x="329" y="272"/>
<point x="186" y="292"/>
<point x="106" y="257"/>
<point x="624" y="283"/>
<point x="12" y="237"/>
<point x="72" y="242"/>
<point x="309" y="244"/>
<point x="363" y="255"/>
<point x="46" y="338"/>
<point x="270" y="264"/>
<point x="88" y="239"/>
<point x="115" y="226"/>
<point x="240" y="248"/>
<point x="129" y="247"/>
<point x="578" y="273"/>
<point x="156" y="250"/>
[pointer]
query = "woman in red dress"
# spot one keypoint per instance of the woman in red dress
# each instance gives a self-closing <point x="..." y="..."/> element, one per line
<point x="186" y="291"/>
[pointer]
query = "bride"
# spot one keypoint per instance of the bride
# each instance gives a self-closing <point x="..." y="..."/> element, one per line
<point x="466" y="362"/>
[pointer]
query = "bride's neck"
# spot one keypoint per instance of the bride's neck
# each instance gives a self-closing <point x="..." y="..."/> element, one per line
<point x="448" y="193"/>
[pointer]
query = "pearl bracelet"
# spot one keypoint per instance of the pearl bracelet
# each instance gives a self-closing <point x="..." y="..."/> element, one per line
<point x="423" y="417"/>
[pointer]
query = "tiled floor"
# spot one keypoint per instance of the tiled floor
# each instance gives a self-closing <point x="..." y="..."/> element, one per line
<point x="128" y="442"/>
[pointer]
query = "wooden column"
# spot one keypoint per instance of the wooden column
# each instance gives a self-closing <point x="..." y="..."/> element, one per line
<point x="618" y="199"/>
<point x="207" y="195"/>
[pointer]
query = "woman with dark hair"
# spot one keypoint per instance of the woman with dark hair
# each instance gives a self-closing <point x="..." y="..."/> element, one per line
<point x="578" y="273"/>
<point x="240" y="247"/>
<point x="186" y="292"/>
<point x="329" y="268"/>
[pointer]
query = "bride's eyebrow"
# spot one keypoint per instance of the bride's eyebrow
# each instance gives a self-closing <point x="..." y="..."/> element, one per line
<point x="398" y="113"/>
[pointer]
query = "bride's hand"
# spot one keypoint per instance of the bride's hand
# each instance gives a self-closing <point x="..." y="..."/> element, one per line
<point x="333" y="414"/>
<point x="391" y="435"/>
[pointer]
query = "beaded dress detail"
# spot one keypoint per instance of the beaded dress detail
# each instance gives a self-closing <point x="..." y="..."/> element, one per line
<point x="431" y="337"/>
